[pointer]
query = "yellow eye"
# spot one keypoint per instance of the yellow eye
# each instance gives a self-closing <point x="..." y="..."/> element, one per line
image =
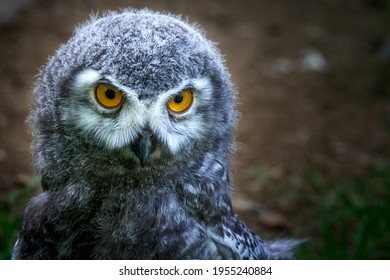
<point x="108" y="96"/>
<point x="181" y="102"/>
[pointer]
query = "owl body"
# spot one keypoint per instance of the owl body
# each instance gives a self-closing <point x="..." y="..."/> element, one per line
<point x="133" y="124"/>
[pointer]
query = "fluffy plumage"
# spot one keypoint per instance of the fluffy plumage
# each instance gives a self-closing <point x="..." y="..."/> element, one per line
<point x="137" y="181"/>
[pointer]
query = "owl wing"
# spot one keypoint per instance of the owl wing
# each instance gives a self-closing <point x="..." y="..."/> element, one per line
<point x="234" y="240"/>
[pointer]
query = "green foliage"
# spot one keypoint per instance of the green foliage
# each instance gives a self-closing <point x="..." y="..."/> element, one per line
<point x="10" y="210"/>
<point x="354" y="219"/>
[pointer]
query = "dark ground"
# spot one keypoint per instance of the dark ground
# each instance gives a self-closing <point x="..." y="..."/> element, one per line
<point x="314" y="83"/>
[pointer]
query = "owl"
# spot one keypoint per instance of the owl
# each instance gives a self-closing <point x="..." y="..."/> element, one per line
<point x="133" y="126"/>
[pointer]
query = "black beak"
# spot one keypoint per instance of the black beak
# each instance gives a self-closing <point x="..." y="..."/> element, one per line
<point x="144" y="146"/>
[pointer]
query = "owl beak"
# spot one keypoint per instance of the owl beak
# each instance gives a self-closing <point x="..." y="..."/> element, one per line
<point x="143" y="147"/>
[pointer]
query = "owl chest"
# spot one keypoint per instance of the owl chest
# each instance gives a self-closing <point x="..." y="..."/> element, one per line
<point x="143" y="229"/>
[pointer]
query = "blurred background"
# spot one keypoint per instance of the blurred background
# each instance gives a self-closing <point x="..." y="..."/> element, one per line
<point x="313" y="138"/>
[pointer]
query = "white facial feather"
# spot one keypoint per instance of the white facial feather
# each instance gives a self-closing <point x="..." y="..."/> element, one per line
<point x="120" y="127"/>
<point x="189" y="125"/>
<point x="92" y="119"/>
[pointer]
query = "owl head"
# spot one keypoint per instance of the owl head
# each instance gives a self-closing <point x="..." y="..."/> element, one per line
<point x="133" y="94"/>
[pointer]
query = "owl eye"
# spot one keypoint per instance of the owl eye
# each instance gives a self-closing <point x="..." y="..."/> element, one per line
<point x="108" y="96"/>
<point x="181" y="102"/>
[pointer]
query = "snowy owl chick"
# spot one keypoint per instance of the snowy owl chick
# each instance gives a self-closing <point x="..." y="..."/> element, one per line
<point x="133" y="125"/>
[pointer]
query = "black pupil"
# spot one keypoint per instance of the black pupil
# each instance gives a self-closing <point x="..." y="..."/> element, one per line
<point x="110" y="94"/>
<point x="178" y="98"/>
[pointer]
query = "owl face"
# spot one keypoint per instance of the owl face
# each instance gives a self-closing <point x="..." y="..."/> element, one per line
<point x="131" y="91"/>
<point x="119" y="117"/>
